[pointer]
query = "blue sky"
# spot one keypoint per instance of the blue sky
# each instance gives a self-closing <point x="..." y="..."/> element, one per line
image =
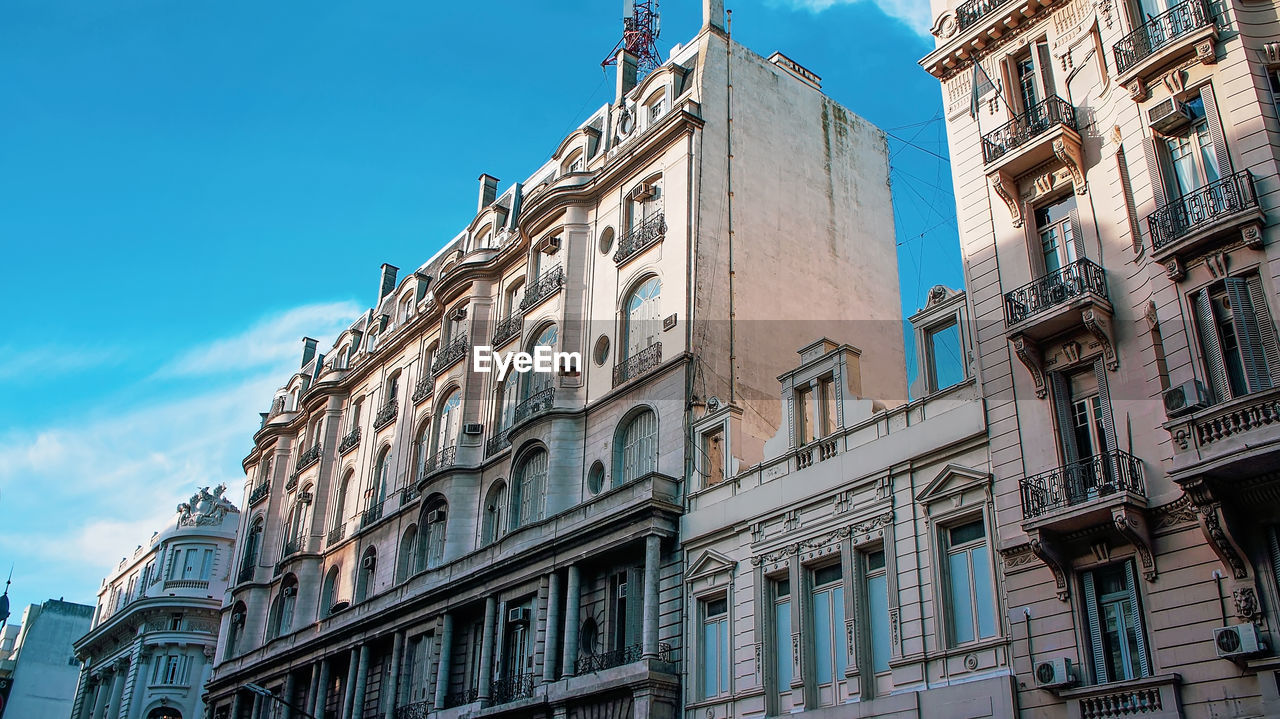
<point x="187" y="189"/>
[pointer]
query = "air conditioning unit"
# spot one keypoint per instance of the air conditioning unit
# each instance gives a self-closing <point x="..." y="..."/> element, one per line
<point x="367" y="562"/>
<point x="1185" y="398"/>
<point x="290" y="591"/>
<point x="1168" y="115"/>
<point x="435" y="515"/>
<point x="517" y="615"/>
<point x="1054" y="673"/>
<point x="550" y="245"/>
<point x="644" y="191"/>
<point x="1237" y="640"/>
<point x="472" y="428"/>
<point x="458" y="313"/>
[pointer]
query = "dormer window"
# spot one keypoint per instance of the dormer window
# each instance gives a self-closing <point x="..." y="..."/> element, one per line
<point x="406" y="307"/>
<point x="815" y="409"/>
<point x="576" y="162"/>
<point x="657" y="109"/>
<point x="945" y="356"/>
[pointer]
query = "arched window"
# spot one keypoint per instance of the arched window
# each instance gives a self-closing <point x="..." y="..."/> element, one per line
<point x="535" y="382"/>
<point x="296" y="528"/>
<point x="494" y="507"/>
<point x="636" y="448"/>
<point x="447" y="419"/>
<point x="340" y="510"/>
<point x="407" y="561"/>
<point x="406" y="307"/>
<point x="573" y="163"/>
<point x="391" y="390"/>
<point x="484" y="240"/>
<point x="252" y="546"/>
<point x="644" y="203"/>
<point x="381" y="479"/>
<point x="506" y="397"/>
<point x="435" y="518"/>
<point x="529" y="484"/>
<point x="280" y="617"/>
<point x="235" y="630"/>
<point x="329" y="591"/>
<point x="589" y="637"/>
<point x="513" y="295"/>
<point x="640" y="320"/>
<point x="421" y="449"/>
<point x="365" y="585"/>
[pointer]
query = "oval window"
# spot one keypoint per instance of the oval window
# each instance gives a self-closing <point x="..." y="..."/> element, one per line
<point x="595" y="478"/>
<point x="601" y="351"/>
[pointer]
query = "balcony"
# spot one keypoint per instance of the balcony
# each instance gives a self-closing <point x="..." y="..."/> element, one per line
<point x="408" y="494"/>
<point x="1050" y="304"/>
<point x="497" y="443"/>
<point x="1070" y="494"/>
<point x="350" y="441"/>
<point x="423" y="389"/>
<point x="371" y="515"/>
<point x="1164" y="39"/>
<point x="337" y="534"/>
<point x="637" y="364"/>
<point x="386" y="414"/>
<point x="534" y="405"/>
<point x="416" y="710"/>
<point x="508" y="329"/>
<point x="306" y="459"/>
<point x="443" y="459"/>
<point x="291" y="483"/>
<point x="452" y="352"/>
<point x="461" y="698"/>
<point x="509" y="689"/>
<point x="259" y="493"/>
<point x="186" y="584"/>
<point x="1149" y="697"/>
<point x="547" y="284"/>
<point x="648" y="233"/>
<point x="971" y="13"/>
<point x="1231" y="440"/>
<point x="246" y="574"/>
<point x="1024" y="130"/>
<point x="1207" y="213"/>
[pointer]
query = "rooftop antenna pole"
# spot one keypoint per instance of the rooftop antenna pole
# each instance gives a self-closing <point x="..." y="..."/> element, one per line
<point x="640" y="28"/>
<point x="4" y="600"/>
<point x="728" y="74"/>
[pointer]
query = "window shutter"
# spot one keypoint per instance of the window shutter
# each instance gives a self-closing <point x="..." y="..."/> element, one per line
<point x="1062" y="406"/>
<point x="1045" y="64"/>
<point x="1220" y="150"/>
<point x="1266" y="330"/>
<point x="1077" y="236"/>
<point x="1138" y="630"/>
<point x="1104" y="398"/>
<point x="1153" y="171"/>
<point x="1208" y="331"/>
<point x="1249" y="333"/>
<point x="1095" y="630"/>
<point x="635" y="605"/>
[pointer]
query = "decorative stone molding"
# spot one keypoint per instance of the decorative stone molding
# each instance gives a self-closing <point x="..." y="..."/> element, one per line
<point x="1247" y="607"/>
<point x="1137" y="89"/>
<point x="1216" y="262"/>
<point x="1006" y="191"/>
<point x="1018" y="556"/>
<point x="1179" y="511"/>
<point x="1028" y="353"/>
<point x="1099" y="326"/>
<point x="1174" y="269"/>
<point x="1252" y="236"/>
<point x="205" y="508"/>
<point x="1204" y="52"/>
<point x="1071" y="156"/>
<point x="1216" y="528"/>
<point x="1153" y="319"/>
<point x="1133" y="527"/>
<point x="1057" y="564"/>
<point x="945" y="26"/>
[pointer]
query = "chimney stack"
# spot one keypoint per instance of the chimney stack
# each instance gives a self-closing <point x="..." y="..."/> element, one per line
<point x="713" y="14"/>
<point x="388" y="280"/>
<point x="488" y="191"/>
<point x="628" y="66"/>
<point x="308" y="350"/>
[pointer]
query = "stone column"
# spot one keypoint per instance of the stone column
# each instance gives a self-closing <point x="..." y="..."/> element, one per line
<point x="322" y="689"/>
<point x="94" y="705"/>
<point x="442" y="666"/>
<point x="117" y="693"/>
<point x="649" y="630"/>
<point x="256" y="711"/>
<point x="349" y="691"/>
<point x="486" y="645"/>
<point x="572" y="610"/>
<point x="235" y="705"/>
<point x="362" y="682"/>
<point x="102" y="695"/>
<point x="83" y="694"/>
<point x="290" y="688"/>
<point x="310" y="701"/>
<point x="392" y="690"/>
<point x="551" y="629"/>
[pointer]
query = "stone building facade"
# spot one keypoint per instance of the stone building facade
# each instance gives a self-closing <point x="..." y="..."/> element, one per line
<point x="1115" y="167"/>
<point x="37" y="664"/>
<point x="423" y="539"/>
<point x="852" y="573"/>
<point x="150" y="648"/>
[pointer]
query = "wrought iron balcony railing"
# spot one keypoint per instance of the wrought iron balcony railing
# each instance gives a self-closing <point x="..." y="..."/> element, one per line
<point x="423" y="389"/>
<point x="291" y="483"/>
<point x="460" y="698"/>
<point x="259" y="493"/>
<point x="246" y="573"/>
<point x="546" y="285"/>
<point x="1201" y="207"/>
<point x="350" y="441"/>
<point x="442" y="459"/>
<point x="1058" y="287"/>
<point x="1098" y="476"/>
<point x="534" y="405"/>
<point x="337" y="534"/>
<point x="408" y="494"/>
<point x="646" y="234"/>
<point x="1022" y="129"/>
<point x="307" y="458"/>
<point x="637" y="364"/>
<point x="601" y="661"/>
<point x="970" y="13"/>
<point x="387" y="414"/>
<point x="1161" y="31"/>
<point x="497" y="443"/>
<point x="508" y="329"/>
<point x="509" y="689"/>
<point x="452" y="352"/>
<point x="292" y="546"/>
<point x="416" y="710"/>
<point x="371" y="515"/>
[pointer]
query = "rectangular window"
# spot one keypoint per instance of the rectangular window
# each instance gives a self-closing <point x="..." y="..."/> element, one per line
<point x="805" y="430"/>
<point x="1055" y="227"/>
<point x="945" y="355"/>
<point x="877" y="589"/>
<point x="970" y="592"/>
<point x="713" y="456"/>
<point x="782" y="634"/>
<point x="1237" y="337"/>
<point x="827" y="412"/>
<point x="714" y="648"/>
<point x="1191" y="153"/>
<point x="1033" y="73"/>
<point x="1114" y="618"/>
<point x="830" y="655"/>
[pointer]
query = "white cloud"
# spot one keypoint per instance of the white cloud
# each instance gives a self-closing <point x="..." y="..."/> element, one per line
<point x="269" y="342"/>
<point x="915" y="14"/>
<point x="51" y="361"/>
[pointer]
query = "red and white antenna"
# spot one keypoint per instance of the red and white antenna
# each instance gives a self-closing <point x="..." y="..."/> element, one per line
<point x="640" y="27"/>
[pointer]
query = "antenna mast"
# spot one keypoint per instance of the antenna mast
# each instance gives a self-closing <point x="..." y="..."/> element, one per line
<point x="640" y="28"/>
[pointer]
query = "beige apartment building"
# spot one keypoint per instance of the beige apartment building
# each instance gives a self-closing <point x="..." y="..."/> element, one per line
<point x="1115" y="166"/>
<point x="852" y="572"/>
<point x="422" y="539"/>
<point x="150" y="648"/>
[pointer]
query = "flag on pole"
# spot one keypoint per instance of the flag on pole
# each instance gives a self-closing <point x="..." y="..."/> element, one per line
<point x="982" y="84"/>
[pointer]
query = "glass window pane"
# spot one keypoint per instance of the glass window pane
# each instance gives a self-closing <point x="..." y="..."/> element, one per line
<point x="837" y="646"/>
<point x="710" y="644"/>
<point x="724" y="655"/>
<point x="782" y="640"/>
<point x="961" y="609"/>
<point x="984" y="592"/>
<point x="945" y="360"/>
<point x="878" y="609"/>
<point x="822" y="636"/>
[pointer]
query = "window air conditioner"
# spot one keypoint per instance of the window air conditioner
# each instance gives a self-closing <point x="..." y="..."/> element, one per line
<point x="435" y="516"/>
<point x="1185" y="398"/>
<point x="550" y="245"/>
<point x="472" y="428"/>
<point x="1237" y="640"/>
<point x="459" y="313"/>
<point x="290" y="591"/>
<point x="517" y="615"/>
<point x="643" y="191"/>
<point x="1168" y="115"/>
<point x="1054" y="673"/>
<point x="367" y="562"/>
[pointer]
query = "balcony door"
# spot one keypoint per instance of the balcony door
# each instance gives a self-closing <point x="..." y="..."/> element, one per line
<point x="1057" y="227"/>
<point x="1033" y="73"/>
<point x="1191" y="153"/>
<point x="1114" y="618"/>
<point x="1086" y="432"/>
